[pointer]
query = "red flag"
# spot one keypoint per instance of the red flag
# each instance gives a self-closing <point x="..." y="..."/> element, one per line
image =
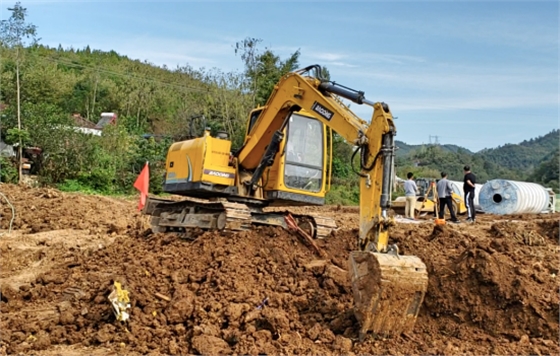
<point x="143" y="185"/>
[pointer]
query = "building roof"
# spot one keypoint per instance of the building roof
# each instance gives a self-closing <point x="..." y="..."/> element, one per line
<point x="81" y="122"/>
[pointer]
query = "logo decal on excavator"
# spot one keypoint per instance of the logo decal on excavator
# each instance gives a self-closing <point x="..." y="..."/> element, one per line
<point x="219" y="174"/>
<point x="323" y="111"/>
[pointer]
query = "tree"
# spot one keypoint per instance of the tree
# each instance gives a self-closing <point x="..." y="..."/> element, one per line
<point x="263" y="70"/>
<point x="16" y="33"/>
<point x="547" y="173"/>
<point x="248" y="51"/>
<point x="325" y="73"/>
<point x="270" y="68"/>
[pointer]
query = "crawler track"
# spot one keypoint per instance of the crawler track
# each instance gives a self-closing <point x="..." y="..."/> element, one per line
<point x="220" y="214"/>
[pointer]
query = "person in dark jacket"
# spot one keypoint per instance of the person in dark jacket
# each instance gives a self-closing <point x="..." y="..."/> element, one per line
<point x="469" y="182"/>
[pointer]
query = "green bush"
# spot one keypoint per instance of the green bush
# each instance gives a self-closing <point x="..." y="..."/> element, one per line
<point x="344" y="192"/>
<point x="8" y="171"/>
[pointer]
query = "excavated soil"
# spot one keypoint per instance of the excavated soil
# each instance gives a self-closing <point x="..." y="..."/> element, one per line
<point x="493" y="286"/>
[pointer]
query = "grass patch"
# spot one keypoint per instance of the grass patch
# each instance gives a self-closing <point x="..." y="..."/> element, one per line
<point x="75" y="186"/>
<point x="344" y="194"/>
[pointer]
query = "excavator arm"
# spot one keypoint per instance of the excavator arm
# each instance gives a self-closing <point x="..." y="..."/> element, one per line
<point x="388" y="288"/>
<point x="374" y="142"/>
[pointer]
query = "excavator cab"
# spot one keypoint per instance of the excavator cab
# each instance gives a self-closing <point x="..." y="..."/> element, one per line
<point x="299" y="174"/>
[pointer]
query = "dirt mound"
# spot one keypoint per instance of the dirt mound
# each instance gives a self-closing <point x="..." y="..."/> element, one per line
<point x="45" y="209"/>
<point x="264" y="291"/>
<point x="483" y="287"/>
<point x="49" y="225"/>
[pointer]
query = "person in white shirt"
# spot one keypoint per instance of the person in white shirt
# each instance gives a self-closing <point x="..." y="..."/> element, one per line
<point x="410" y="191"/>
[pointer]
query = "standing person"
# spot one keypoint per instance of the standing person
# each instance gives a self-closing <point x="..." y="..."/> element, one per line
<point x="410" y="191"/>
<point x="445" y="191"/>
<point x="469" y="182"/>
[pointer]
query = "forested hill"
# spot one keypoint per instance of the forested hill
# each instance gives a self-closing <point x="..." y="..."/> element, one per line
<point x="524" y="156"/>
<point x="56" y="83"/>
<point x="150" y="99"/>
<point x="535" y="160"/>
<point x="405" y="149"/>
<point x="147" y="98"/>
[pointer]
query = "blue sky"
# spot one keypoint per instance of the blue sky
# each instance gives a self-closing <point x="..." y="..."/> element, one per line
<point x="476" y="74"/>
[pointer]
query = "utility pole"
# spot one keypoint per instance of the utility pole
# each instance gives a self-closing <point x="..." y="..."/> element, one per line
<point x="13" y="34"/>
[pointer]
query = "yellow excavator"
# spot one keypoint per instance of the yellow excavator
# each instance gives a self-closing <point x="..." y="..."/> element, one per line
<point x="284" y="161"/>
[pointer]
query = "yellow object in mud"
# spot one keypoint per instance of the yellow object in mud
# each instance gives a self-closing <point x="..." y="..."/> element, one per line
<point x="120" y="300"/>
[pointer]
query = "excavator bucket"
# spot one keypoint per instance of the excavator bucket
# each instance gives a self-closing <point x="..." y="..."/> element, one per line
<point x="388" y="291"/>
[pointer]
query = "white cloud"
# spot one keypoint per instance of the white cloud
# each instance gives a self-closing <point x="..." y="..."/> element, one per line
<point x="327" y="56"/>
<point x="433" y="86"/>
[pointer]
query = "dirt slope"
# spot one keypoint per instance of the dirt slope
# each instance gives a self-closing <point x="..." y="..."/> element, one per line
<point x="493" y="287"/>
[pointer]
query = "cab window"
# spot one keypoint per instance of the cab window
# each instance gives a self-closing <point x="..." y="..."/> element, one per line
<point x="254" y="116"/>
<point x="304" y="154"/>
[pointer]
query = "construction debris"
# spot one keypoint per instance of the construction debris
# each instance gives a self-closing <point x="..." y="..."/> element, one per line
<point x="120" y="301"/>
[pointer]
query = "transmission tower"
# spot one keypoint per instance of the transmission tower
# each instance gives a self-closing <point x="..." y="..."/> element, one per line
<point x="436" y="140"/>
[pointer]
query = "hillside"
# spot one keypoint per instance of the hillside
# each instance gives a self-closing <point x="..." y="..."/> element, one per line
<point x="531" y="160"/>
<point x="405" y="149"/>
<point x="525" y="156"/>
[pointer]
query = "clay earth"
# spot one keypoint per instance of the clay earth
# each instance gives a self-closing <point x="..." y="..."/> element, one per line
<point x="493" y="286"/>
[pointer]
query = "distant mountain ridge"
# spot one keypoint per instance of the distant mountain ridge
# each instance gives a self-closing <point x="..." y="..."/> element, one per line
<point x="524" y="156"/>
<point x="511" y="155"/>
<point x="533" y="160"/>
<point x="403" y="149"/>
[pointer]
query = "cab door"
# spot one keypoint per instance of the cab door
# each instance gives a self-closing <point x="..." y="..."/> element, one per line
<point x="299" y="173"/>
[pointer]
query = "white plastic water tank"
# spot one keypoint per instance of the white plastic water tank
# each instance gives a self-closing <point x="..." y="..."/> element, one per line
<point x="500" y="196"/>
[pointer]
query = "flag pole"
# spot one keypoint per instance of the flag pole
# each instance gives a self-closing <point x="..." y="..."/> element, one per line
<point x="148" y="192"/>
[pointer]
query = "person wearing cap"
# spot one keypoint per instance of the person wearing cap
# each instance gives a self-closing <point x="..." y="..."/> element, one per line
<point x="469" y="182"/>
<point x="445" y="191"/>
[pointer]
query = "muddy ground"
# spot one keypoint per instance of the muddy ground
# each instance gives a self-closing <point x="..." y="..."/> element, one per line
<point x="493" y="286"/>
